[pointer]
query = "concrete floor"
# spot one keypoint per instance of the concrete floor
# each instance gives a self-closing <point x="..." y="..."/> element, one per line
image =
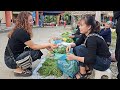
<point x="41" y="35"/>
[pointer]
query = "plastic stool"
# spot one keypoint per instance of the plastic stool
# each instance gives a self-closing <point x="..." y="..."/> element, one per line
<point x="102" y="74"/>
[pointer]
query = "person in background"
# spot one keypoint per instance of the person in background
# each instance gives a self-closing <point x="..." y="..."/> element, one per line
<point x="41" y="22"/>
<point x="65" y="24"/>
<point x="77" y="34"/>
<point x="0" y="21"/>
<point x="117" y="49"/>
<point x="106" y="32"/>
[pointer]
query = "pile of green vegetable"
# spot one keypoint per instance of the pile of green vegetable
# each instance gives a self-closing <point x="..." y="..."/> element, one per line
<point x="49" y="67"/>
<point x="60" y="50"/>
<point x="65" y="34"/>
<point x="69" y="40"/>
<point x="65" y="37"/>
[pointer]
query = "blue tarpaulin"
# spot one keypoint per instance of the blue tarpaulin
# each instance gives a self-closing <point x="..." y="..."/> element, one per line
<point x="33" y="14"/>
<point x="48" y="13"/>
<point x="52" y="12"/>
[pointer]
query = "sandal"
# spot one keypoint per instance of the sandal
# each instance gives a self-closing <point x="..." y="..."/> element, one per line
<point x="82" y="76"/>
<point x="29" y="68"/>
<point x="89" y="72"/>
<point x="25" y="73"/>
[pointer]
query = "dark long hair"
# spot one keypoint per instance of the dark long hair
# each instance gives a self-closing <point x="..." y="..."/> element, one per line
<point x="97" y="28"/>
<point x="90" y="20"/>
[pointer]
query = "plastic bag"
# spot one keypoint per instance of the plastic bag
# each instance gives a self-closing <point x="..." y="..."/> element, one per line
<point x="58" y="56"/>
<point x="55" y="40"/>
<point x="69" y="67"/>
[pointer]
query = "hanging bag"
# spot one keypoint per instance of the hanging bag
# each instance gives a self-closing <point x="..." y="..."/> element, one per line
<point x="24" y="63"/>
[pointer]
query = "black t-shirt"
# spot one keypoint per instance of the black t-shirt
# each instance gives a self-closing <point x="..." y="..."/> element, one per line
<point x="77" y="33"/>
<point x="96" y="47"/>
<point x="80" y="40"/>
<point x="17" y="40"/>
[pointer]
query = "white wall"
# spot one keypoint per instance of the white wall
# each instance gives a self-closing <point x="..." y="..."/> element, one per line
<point x="2" y="15"/>
<point x="98" y="16"/>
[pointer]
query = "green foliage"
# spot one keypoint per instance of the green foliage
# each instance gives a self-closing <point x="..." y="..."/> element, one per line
<point x="65" y="35"/>
<point x="49" y="67"/>
<point x="67" y="18"/>
<point x="69" y="40"/>
<point x="50" y="18"/>
<point x="60" y="50"/>
<point x="66" y="38"/>
<point x="114" y="35"/>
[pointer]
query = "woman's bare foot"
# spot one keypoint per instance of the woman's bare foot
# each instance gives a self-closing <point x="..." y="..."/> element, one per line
<point x="18" y="70"/>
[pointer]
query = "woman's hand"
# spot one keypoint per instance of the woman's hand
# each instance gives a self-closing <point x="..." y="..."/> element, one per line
<point x="49" y="48"/>
<point x="71" y="57"/>
<point x="68" y="49"/>
<point x="53" y="46"/>
<point x="72" y="36"/>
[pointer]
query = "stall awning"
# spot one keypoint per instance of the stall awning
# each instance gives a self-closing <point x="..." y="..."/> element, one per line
<point x="52" y="12"/>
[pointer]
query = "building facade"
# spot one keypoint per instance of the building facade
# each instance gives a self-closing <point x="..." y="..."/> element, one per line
<point x="9" y="17"/>
<point x="6" y="17"/>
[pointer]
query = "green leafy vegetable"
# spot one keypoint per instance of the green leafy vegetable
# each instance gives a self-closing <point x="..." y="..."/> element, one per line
<point x="49" y="67"/>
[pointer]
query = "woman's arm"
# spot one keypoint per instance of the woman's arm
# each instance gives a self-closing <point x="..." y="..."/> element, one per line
<point x="78" y="36"/>
<point x="69" y="47"/>
<point x="73" y="57"/>
<point x="39" y="46"/>
<point x="80" y="40"/>
<point x="91" y="56"/>
<point x="72" y="45"/>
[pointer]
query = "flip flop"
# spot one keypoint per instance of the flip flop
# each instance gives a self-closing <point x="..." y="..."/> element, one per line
<point x="82" y="76"/>
<point x="25" y="73"/>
